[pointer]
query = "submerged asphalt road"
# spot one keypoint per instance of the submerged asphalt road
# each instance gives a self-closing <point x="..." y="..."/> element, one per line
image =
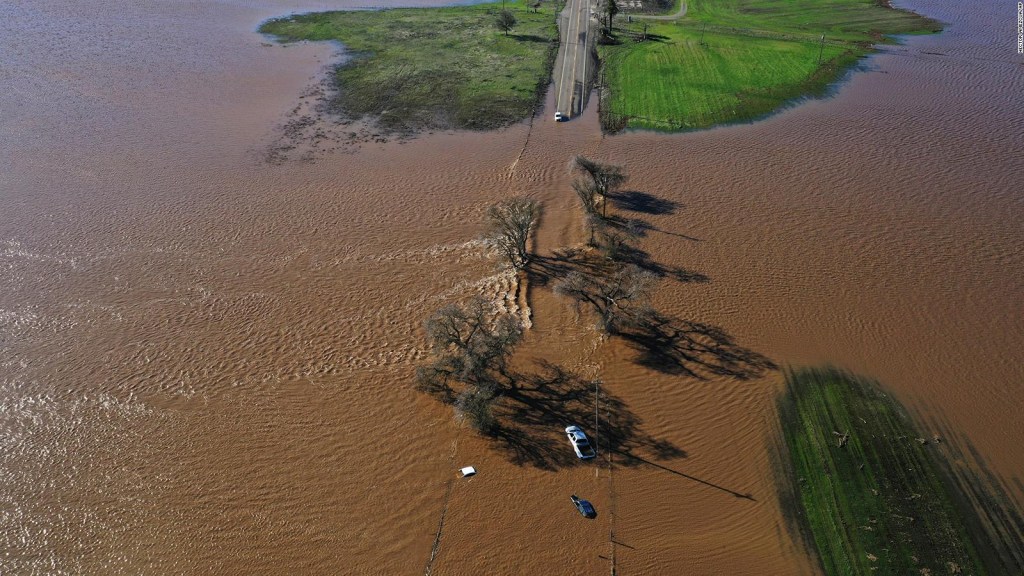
<point x="573" y="67"/>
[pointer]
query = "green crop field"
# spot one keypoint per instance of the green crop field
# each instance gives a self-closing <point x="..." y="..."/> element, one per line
<point x="869" y="489"/>
<point x="755" y="56"/>
<point x="849" y="20"/>
<point x="428" y="68"/>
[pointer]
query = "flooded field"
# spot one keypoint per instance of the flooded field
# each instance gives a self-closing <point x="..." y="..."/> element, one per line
<point x="206" y="358"/>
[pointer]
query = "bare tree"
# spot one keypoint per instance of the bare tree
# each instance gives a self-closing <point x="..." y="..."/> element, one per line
<point x="468" y="344"/>
<point x="620" y="297"/>
<point x="474" y="405"/>
<point x="616" y="240"/>
<point x="471" y="345"/>
<point x="509" y="224"/>
<point x="588" y="195"/>
<point x="505" y="20"/>
<point x="606" y="178"/>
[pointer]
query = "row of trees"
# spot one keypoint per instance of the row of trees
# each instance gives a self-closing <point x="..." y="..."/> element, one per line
<point x="472" y="342"/>
<point x="618" y="283"/>
<point x="616" y="289"/>
<point x="596" y="183"/>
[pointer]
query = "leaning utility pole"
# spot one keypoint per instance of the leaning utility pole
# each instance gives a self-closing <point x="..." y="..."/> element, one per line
<point x="821" y="48"/>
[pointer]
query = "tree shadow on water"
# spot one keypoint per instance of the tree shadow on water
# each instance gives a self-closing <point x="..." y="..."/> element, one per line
<point x="663" y="343"/>
<point x="535" y="413"/>
<point x="644" y="202"/>
<point x="631" y="254"/>
<point x="543" y="270"/>
<point x="689" y="348"/>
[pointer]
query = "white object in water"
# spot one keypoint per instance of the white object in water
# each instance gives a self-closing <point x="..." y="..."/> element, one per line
<point x="468" y="471"/>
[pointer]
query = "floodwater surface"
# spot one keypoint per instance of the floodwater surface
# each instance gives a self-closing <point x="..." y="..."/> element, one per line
<point x="206" y="358"/>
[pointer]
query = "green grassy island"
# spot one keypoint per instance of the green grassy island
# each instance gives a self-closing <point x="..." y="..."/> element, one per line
<point x="734" y="60"/>
<point x="723" y="61"/>
<point x="869" y="490"/>
<point x="434" y="68"/>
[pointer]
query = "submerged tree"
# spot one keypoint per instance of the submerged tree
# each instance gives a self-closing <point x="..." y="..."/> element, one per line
<point x="604" y="178"/>
<point x="471" y="346"/>
<point x="615" y="241"/>
<point x="475" y="405"/>
<point x="505" y="20"/>
<point x="619" y="296"/>
<point x="588" y="195"/>
<point x="509" y="224"/>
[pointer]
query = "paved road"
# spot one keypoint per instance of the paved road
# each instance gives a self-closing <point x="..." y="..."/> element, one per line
<point x="573" y="67"/>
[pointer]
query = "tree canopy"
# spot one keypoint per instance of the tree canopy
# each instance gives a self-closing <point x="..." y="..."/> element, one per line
<point x="508" y="226"/>
<point x="505" y="20"/>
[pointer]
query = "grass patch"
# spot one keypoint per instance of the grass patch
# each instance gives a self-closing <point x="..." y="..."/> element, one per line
<point x="876" y="500"/>
<point x="434" y="68"/>
<point x="652" y="8"/>
<point x="755" y="56"/>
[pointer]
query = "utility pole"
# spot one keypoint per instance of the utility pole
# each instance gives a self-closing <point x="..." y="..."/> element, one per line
<point x="597" y="435"/>
<point x="702" y="33"/>
<point x="821" y="48"/>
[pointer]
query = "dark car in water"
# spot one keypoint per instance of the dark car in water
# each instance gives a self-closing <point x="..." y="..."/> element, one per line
<point x="584" y="506"/>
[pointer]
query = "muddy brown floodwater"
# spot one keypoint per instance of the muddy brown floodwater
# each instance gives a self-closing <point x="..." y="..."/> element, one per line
<point x="206" y="359"/>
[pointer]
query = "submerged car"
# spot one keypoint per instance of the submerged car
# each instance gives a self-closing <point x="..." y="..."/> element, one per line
<point x="559" y="117"/>
<point x="580" y="443"/>
<point x="584" y="506"/>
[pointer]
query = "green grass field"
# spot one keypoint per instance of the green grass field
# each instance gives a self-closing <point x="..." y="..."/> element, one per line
<point x="876" y="504"/>
<point x="434" y="68"/>
<point x="756" y="55"/>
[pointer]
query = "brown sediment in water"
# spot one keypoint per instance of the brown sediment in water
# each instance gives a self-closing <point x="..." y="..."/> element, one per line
<point x="206" y="360"/>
